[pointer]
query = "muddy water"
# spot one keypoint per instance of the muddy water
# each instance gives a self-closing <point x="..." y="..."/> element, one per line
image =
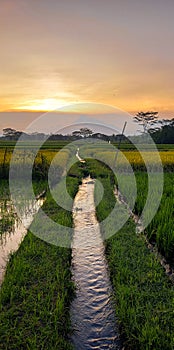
<point x="10" y="240"/>
<point x="92" y="314"/>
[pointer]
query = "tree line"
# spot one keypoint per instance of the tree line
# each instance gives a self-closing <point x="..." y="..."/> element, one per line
<point x="161" y="130"/>
<point x="10" y="134"/>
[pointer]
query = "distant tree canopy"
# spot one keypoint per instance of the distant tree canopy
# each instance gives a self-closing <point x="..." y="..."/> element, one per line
<point x="11" y="134"/>
<point x="83" y="132"/>
<point x="162" y="131"/>
<point x="164" y="134"/>
<point x="146" y="119"/>
<point x="8" y="132"/>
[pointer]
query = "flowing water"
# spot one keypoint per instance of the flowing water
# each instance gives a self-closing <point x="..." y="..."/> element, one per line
<point x="92" y="314"/>
<point x="11" y="239"/>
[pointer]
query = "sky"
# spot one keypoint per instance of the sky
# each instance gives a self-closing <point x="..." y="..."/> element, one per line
<point x="112" y="52"/>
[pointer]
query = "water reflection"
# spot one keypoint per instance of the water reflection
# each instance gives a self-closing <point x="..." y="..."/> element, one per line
<point x="92" y="314"/>
<point x="10" y="239"/>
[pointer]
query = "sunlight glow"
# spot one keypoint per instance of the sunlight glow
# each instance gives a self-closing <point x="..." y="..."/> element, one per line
<point x="48" y="104"/>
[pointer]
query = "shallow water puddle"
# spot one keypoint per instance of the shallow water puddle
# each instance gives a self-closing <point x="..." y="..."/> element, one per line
<point x="10" y="240"/>
<point x="92" y="315"/>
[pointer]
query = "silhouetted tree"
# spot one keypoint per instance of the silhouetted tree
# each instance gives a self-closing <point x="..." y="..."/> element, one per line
<point x="9" y="132"/>
<point x="83" y="132"/>
<point x="76" y="133"/>
<point x="146" y="119"/>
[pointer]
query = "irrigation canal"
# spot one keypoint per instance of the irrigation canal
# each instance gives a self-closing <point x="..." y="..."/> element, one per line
<point x="92" y="314"/>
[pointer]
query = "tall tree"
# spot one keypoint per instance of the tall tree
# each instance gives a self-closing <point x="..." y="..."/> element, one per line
<point x="9" y="132"/>
<point x="76" y="133"/>
<point x="83" y="132"/>
<point x="146" y="119"/>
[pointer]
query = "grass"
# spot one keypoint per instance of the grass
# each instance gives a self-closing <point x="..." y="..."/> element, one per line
<point x="32" y="144"/>
<point x="143" y="294"/>
<point x="37" y="290"/>
<point x="7" y="219"/>
<point x="35" y="296"/>
<point x="4" y="189"/>
<point x="24" y="157"/>
<point x="160" y="230"/>
<point x="7" y="214"/>
<point x="50" y="148"/>
<point x="136" y="159"/>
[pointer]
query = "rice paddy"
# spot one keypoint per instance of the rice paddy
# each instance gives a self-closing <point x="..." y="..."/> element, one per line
<point x="37" y="290"/>
<point x="143" y="294"/>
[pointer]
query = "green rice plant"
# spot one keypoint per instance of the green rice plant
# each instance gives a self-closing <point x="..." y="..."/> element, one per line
<point x="160" y="230"/>
<point x="143" y="294"/>
<point x="25" y="152"/>
<point x="132" y="157"/>
<point x="37" y="289"/>
<point x="7" y="217"/>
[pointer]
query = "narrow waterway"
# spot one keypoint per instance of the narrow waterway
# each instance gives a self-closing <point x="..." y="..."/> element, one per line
<point x="11" y="240"/>
<point x="92" y="314"/>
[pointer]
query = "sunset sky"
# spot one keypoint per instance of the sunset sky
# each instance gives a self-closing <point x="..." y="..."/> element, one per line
<point x="56" y="52"/>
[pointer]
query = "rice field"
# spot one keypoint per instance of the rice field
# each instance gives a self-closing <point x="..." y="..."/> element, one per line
<point x="143" y="294"/>
<point x="37" y="290"/>
<point x="41" y="161"/>
<point x="160" y="230"/>
<point x="136" y="159"/>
